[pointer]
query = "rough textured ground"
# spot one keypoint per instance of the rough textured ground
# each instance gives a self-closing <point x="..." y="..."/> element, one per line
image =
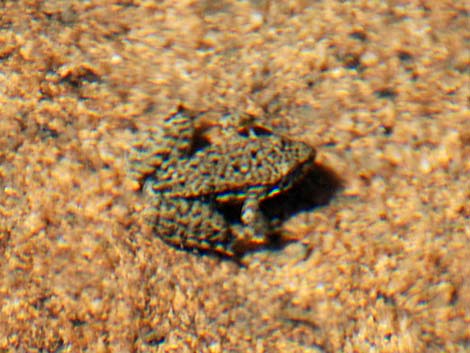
<point x="381" y="89"/>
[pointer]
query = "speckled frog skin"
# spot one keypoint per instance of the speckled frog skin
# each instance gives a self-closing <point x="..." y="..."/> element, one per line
<point x="186" y="189"/>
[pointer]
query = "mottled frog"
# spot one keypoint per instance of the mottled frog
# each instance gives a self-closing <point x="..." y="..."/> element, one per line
<point x="187" y="187"/>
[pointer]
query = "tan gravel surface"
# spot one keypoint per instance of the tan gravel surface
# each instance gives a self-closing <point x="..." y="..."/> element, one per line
<point x="380" y="88"/>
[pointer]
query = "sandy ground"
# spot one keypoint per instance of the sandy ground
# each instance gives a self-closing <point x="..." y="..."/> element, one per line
<point x="380" y="88"/>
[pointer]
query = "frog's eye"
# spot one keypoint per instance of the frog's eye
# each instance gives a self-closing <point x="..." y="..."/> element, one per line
<point x="254" y="131"/>
<point x="244" y="132"/>
<point x="261" y="131"/>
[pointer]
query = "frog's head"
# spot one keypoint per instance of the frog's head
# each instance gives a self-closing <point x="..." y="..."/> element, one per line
<point x="297" y="161"/>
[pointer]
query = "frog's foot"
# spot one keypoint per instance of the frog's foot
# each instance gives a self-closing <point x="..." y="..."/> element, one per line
<point x="190" y="224"/>
<point x="252" y="233"/>
<point x="245" y="239"/>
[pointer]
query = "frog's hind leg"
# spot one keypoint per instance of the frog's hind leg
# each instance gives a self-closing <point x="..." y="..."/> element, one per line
<point x="160" y="151"/>
<point x="178" y="136"/>
<point x="191" y="224"/>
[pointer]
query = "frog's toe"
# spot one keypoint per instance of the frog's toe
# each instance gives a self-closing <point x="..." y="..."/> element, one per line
<point x="248" y="216"/>
<point x="245" y="239"/>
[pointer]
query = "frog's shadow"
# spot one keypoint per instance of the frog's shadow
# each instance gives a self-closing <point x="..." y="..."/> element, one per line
<point x="314" y="189"/>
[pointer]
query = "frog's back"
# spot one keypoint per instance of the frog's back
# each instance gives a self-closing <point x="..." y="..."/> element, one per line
<point x="246" y="163"/>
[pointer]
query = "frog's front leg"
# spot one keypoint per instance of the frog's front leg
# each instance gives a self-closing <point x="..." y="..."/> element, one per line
<point x="254" y="219"/>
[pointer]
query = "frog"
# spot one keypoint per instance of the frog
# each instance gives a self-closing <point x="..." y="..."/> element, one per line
<point x="187" y="188"/>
